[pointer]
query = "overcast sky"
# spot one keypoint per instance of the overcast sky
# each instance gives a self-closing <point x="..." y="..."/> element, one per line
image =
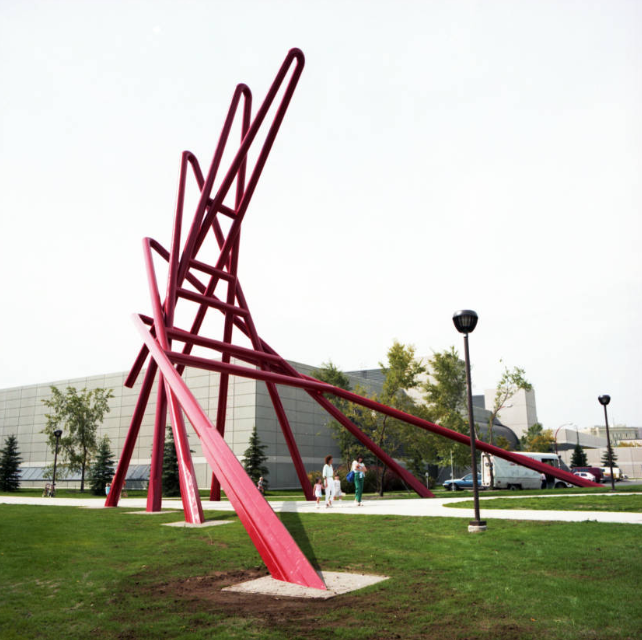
<point x="436" y="156"/>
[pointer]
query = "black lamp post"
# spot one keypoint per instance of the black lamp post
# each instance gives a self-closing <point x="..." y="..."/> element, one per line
<point x="57" y="433"/>
<point x="604" y="400"/>
<point x="465" y="322"/>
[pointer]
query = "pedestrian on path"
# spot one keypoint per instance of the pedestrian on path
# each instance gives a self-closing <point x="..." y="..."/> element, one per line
<point x="359" y="477"/>
<point x="328" y="481"/>
<point x="318" y="490"/>
<point x="338" y="494"/>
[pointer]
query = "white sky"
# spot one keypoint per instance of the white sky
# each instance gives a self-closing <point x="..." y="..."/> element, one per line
<point x="436" y="156"/>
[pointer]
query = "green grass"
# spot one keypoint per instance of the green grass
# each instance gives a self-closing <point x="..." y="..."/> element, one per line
<point x="632" y="503"/>
<point x="79" y="573"/>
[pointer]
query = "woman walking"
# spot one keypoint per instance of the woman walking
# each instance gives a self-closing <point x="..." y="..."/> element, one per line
<point x="359" y="476"/>
<point x="328" y="481"/>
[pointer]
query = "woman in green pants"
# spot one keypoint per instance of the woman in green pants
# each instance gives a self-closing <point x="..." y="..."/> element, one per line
<point x="359" y="476"/>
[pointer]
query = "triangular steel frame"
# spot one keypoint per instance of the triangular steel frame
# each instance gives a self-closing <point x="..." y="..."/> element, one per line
<point x="281" y="554"/>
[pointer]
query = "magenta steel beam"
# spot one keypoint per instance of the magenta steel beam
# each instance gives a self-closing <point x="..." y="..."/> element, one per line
<point x="424" y="424"/>
<point x="279" y="551"/>
<point x="155" y="485"/>
<point x="215" y="486"/>
<point x="132" y="435"/>
<point x="314" y="385"/>
<point x="295" y="57"/>
<point x="187" y="477"/>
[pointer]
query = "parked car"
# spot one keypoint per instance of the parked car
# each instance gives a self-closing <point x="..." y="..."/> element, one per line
<point x="595" y="471"/>
<point x="462" y="483"/>
<point x="584" y="474"/>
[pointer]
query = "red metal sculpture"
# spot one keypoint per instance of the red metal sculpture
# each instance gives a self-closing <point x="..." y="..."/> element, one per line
<point x="192" y="279"/>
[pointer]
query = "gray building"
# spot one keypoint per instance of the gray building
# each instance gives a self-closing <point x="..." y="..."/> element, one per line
<point x="22" y="413"/>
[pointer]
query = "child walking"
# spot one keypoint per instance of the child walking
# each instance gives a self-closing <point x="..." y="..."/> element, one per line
<point x="318" y="490"/>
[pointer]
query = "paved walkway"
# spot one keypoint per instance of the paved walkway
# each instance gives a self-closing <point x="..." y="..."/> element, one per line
<point x="429" y="507"/>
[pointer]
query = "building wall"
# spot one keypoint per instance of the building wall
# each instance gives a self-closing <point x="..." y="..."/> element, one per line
<point x="522" y="413"/>
<point x="23" y="413"/>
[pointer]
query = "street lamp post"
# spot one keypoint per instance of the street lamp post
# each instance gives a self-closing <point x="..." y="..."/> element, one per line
<point x="604" y="400"/>
<point x="566" y="424"/>
<point x="465" y="322"/>
<point x="57" y="433"/>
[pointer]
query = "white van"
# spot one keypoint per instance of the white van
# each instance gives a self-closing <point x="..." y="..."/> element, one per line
<point x="498" y="473"/>
<point x="617" y="474"/>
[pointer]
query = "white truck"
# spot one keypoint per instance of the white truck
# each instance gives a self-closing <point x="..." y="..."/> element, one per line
<point x="617" y="474"/>
<point x="498" y="473"/>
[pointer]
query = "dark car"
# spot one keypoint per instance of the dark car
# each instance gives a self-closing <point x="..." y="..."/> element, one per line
<point x="462" y="483"/>
<point x="599" y="476"/>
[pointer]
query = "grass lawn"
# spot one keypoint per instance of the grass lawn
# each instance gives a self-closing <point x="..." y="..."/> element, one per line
<point x="84" y="573"/>
<point x="632" y="503"/>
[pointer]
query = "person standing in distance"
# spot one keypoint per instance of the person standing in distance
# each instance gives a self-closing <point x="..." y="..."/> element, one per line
<point x="328" y="481"/>
<point x="359" y="477"/>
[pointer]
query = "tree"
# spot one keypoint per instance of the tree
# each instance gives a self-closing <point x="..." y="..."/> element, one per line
<point x="538" y="439"/>
<point x="254" y="459"/>
<point x="348" y="444"/>
<point x="102" y="469"/>
<point x="503" y="443"/>
<point x="512" y="380"/>
<point x="445" y="396"/>
<point x="10" y="465"/>
<point x="170" y="478"/>
<point x="609" y="458"/>
<point x="578" y="459"/>
<point x="395" y="436"/>
<point x="78" y="414"/>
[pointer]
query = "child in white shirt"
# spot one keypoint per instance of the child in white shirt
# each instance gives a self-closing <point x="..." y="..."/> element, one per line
<point x="318" y="490"/>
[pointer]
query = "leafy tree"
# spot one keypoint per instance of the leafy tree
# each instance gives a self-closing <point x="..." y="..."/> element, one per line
<point x="538" y="439"/>
<point x="512" y="380"/>
<point x="609" y="458"/>
<point x="254" y="459"/>
<point x="401" y="374"/>
<point x="503" y="443"/>
<point x="445" y="396"/>
<point x="78" y="414"/>
<point x="102" y="469"/>
<point x="10" y="465"/>
<point x="395" y="437"/>
<point x="348" y="444"/>
<point x="579" y="459"/>
<point x="170" y="478"/>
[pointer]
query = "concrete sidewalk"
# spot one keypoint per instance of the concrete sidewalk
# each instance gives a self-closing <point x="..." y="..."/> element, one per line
<point x="427" y="507"/>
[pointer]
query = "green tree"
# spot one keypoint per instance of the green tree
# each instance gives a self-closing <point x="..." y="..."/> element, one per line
<point x="609" y="458"/>
<point x="445" y="396"/>
<point x="78" y="414"/>
<point x="348" y="444"/>
<point x="102" y="469"/>
<point x="10" y="465"/>
<point x="511" y="381"/>
<point x="170" y="478"/>
<point x="254" y="459"/>
<point x="503" y="443"/>
<point x="578" y="459"/>
<point x="538" y="439"/>
<point x="396" y="437"/>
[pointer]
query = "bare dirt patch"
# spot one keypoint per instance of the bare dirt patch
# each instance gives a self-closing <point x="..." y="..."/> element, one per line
<point x="305" y="618"/>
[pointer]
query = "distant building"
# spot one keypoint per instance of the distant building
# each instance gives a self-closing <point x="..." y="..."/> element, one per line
<point x="22" y="413"/>
<point x="519" y="412"/>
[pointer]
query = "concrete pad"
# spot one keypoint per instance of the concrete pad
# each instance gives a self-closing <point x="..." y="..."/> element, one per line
<point x="151" y="513"/>
<point x="337" y="583"/>
<point x="194" y="525"/>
